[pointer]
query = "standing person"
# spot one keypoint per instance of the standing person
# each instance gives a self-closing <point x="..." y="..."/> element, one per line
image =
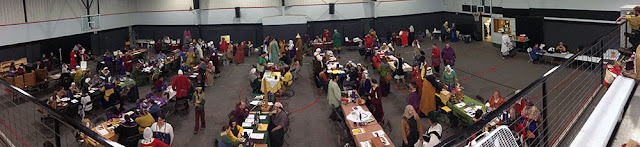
<point x="149" y="141"/>
<point x="274" y="52"/>
<point x="444" y="31"/>
<point x="279" y="124"/>
<point x="411" y="127"/>
<point x="400" y="72"/>
<point x="291" y="50"/>
<point x="454" y="33"/>
<point x="385" y="76"/>
<point x="281" y="45"/>
<point x="198" y="106"/>
<point x="375" y="96"/>
<point x="162" y="130"/>
<point x="223" y="46"/>
<point x="265" y="43"/>
<point x="506" y="45"/>
<point x="239" y="57"/>
<point x="416" y="76"/>
<point x="72" y="58"/>
<point x="449" y="55"/>
<point x="326" y="35"/>
<point x="414" y="97"/>
<point x="181" y="84"/>
<point x="449" y="77"/>
<point x="186" y="35"/>
<point x="128" y="62"/>
<point x="404" y="37"/>
<point x="299" y="50"/>
<point x="634" y="24"/>
<point x="435" y="57"/>
<point x="428" y="99"/>
<point x="210" y="73"/>
<point x="412" y="34"/>
<point x="337" y="42"/>
<point x="202" y="70"/>
<point x="334" y="94"/>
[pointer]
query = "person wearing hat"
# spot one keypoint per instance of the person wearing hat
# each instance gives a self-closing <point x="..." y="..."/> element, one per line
<point x="145" y="119"/>
<point x="279" y="123"/>
<point x="149" y="141"/>
<point x="125" y="130"/>
<point x="299" y="50"/>
<point x="337" y="41"/>
<point x="105" y="74"/>
<point x="198" y="106"/>
<point x="561" y="48"/>
<point x="115" y="111"/>
<point x="181" y="84"/>
<point x="427" y="100"/>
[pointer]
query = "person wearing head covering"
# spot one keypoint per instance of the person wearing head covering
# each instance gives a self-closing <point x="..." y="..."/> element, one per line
<point x="404" y="37"/>
<point x="337" y="41"/>
<point x="561" y="48"/>
<point x="529" y="121"/>
<point x="181" y="85"/>
<point x="149" y="141"/>
<point x="291" y="51"/>
<point x="274" y="52"/>
<point x="125" y="130"/>
<point x="162" y="130"/>
<point x="444" y="31"/>
<point x="198" y="106"/>
<point x="427" y="100"/>
<point x="411" y="126"/>
<point x="145" y="119"/>
<point x="434" y="133"/>
<point x="299" y="50"/>
<point x="210" y="74"/>
<point x="279" y="123"/>
<point x="449" y="77"/>
<point x="223" y="45"/>
<point x="449" y="55"/>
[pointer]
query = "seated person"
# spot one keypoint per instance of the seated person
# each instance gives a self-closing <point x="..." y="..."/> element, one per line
<point x="226" y="140"/>
<point x="105" y="75"/>
<point x="184" y="67"/>
<point x="161" y="56"/>
<point x="256" y="83"/>
<point x="12" y="70"/>
<point x="496" y="100"/>
<point x="127" y="129"/>
<point x="154" y="109"/>
<point x="159" y="85"/>
<point x="561" y="48"/>
<point x="535" y="54"/>
<point x="433" y="136"/>
<point x="145" y="120"/>
<point x="108" y="90"/>
<point x="241" y="112"/>
<point x="115" y="111"/>
<point x="74" y="89"/>
<point x="317" y="40"/>
<point x="285" y="59"/>
<point x="95" y="82"/>
<point x="324" y="79"/>
<point x="286" y="80"/>
<point x="55" y="98"/>
<point x="236" y="131"/>
<point x="39" y="65"/>
<point x="478" y="115"/>
<point x="21" y="70"/>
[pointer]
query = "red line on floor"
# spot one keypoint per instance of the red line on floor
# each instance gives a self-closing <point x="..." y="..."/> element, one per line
<point x="314" y="102"/>
<point x="394" y="86"/>
<point x="240" y="94"/>
<point x="14" y="133"/>
<point x="574" y="115"/>
<point x="490" y="69"/>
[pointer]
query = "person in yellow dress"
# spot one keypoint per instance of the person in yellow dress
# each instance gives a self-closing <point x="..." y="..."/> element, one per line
<point x="561" y="48"/>
<point x="286" y="80"/>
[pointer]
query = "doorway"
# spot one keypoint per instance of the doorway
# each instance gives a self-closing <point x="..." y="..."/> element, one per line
<point x="486" y="28"/>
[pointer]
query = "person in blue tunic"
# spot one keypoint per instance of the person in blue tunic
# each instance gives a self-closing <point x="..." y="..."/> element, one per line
<point x="454" y="34"/>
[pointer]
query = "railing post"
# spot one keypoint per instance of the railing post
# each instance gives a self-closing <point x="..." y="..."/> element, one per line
<point x="56" y="128"/>
<point x="544" y="112"/>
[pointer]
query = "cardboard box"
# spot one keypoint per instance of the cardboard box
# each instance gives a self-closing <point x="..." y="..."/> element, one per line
<point x="30" y="79"/>
<point x="19" y="82"/>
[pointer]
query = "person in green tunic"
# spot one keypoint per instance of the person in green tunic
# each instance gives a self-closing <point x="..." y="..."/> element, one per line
<point x="274" y="52"/>
<point x="226" y="139"/>
<point x="337" y="42"/>
<point x="262" y="62"/>
<point x="449" y="77"/>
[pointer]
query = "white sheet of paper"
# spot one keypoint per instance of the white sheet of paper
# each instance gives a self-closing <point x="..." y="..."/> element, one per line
<point x="254" y="102"/>
<point x="246" y="125"/>
<point x="381" y="132"/>
<point x="83" y="64"/>
<point x="365" y="144"/>
<point x="102" y="131"/>
<point x="257" y="136"/>
<point x="263" y="116"/>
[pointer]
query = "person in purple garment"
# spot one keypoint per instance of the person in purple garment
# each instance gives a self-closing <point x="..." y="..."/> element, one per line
<point x="414" y="97"/>
<point x="449" y="55"/>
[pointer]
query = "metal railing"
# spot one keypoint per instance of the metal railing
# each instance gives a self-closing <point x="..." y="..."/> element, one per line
<point x="561" y="95"/>
<point x="27" y="121"/>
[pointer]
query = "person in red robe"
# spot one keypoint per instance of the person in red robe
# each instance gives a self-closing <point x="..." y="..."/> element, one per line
<point x="239" y="57"/>
<point x="72" y="58"/>
<point x="368" y="41"/>
<point x="128" y="62"/>
<point x="404" y="36"/>
<point x="181" y="85"/>
<point x="326" y="35"/>
<point x="435" y="58"/>
<point x="375" y="96"/>
<point x="223" y="46"/>
<point x="416" y="77"/>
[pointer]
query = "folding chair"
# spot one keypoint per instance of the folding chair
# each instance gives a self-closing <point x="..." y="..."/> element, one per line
<point x="529" y="50"/>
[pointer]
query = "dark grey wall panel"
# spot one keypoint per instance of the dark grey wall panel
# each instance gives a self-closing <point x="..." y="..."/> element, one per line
<point x="420" y="23"/>
<point x="574" y="34"/>
<point x="238" y="32"/>
<point x="464" y="23"/>
<point x="286" y="32"/>
<point x="157" y="32"/>
<point x="110" y="40"/>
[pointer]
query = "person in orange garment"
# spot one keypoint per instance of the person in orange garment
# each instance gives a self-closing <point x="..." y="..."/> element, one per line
<point x="496" y="100"/>
<point x="427" y="102"/>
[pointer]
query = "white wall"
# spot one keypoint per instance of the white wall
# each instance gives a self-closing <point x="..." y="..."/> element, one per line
<point x="11" y="12"/>
<point x="601" y="5"/>
<point x="43" y="10"/>
<point x="163" y="5"/>
<point x="116" y="6"/>
<point x="313" y="2"/>
<point x="206" y="4"/>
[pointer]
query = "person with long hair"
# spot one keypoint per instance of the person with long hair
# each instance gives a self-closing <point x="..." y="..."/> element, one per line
<point x="236" y="130"/>
<point x="375" y="96"/>
<point x="411" y="127"/>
